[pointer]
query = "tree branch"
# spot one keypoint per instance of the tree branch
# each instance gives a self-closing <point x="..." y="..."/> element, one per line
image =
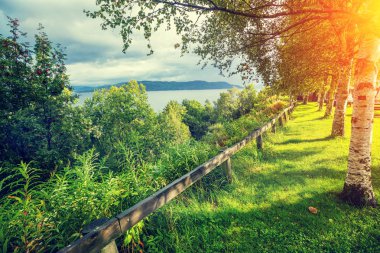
<point x="216" y="7"/>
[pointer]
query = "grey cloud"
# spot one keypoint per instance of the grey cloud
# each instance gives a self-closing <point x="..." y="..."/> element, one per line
<point x="94" y="56"/>
<point x="81" y="52"/>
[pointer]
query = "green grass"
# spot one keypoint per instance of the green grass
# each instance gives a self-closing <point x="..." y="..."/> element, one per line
<point x="265" y="209"/>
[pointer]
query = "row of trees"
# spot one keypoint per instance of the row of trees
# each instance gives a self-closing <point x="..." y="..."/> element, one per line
<point x="296" y="46"/>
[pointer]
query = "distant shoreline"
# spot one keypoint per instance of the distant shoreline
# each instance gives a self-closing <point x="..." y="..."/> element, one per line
<point x="159" y="99"/>
<point x="164" y="86"/>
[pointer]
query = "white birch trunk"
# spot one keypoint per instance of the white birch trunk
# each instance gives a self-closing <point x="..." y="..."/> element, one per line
<point x="322" y="95"/>
<point x="306" y="98"/>
<point x="357" y="188"/>
<point x="331" y="96"/>
<point x="341" y="100"/>
<point x="321" y="98"/>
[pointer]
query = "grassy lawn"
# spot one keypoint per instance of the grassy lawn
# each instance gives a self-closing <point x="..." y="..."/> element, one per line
<point x="266" y="207"/>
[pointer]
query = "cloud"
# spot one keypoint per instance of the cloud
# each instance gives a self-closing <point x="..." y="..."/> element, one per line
<point x="94" y="56"/>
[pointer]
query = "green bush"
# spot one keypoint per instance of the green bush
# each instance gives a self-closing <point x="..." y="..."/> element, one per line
<point x="180" y="159"/>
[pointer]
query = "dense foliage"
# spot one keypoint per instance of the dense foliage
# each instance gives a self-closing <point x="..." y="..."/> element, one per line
<point x="38" y="121"/>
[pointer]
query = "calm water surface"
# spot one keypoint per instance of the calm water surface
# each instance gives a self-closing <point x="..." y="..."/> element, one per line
<point x="159" y="99"/>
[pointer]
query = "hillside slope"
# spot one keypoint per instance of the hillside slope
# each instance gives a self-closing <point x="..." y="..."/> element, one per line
<point x="266" y="207"/>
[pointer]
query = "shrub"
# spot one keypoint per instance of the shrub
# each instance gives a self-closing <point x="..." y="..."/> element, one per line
<point x="182" y="158"/>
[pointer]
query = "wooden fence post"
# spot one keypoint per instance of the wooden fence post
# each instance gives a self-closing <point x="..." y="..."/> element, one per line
<point x="286" y="117"/>
<point x="281" y="121"/>
<point x="228" y="169"/>
<point x="259" y="142"/>
<point x="109" y="248"/>
<point x="274" y="128"/>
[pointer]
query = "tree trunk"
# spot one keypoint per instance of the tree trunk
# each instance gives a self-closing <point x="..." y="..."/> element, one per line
<point x="321" y="99"/>
<point x="305" y="98"/>
<point x="290" y="99"/>
<point x="341" y="100"/>
<point x="357" y="188"/>
<point x="322" y="95"/>
<point x="331" y="96"/>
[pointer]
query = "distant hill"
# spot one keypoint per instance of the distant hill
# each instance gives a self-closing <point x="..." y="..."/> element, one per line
<point x="163" y="85"/>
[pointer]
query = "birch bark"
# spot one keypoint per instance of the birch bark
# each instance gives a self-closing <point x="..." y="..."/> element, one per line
<point x="341" y="100"/>
<point x="357" y="188"/>
<point x="331" y="95"/>
<point x="322" y="95"/>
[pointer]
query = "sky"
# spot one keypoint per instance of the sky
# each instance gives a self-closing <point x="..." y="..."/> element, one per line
<point x="94" y="56"/>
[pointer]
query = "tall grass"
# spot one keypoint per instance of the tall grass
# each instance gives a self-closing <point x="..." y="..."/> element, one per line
<point x="46" y="217"/>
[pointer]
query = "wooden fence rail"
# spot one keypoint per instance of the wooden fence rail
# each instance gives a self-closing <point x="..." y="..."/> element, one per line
<point x="106" y="233"/>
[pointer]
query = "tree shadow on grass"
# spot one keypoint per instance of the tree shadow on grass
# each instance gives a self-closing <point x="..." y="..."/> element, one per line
<point x="314" y="119"/>
<point x="289" y="175"/>
<point x="316" y="172"/>
<point x="289" y="154"/>
<point x="295" y="141"/>
<point x="277" y="226"/>
<point x="290" y="167"/>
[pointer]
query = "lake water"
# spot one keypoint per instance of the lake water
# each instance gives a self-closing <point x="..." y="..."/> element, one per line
<point x="159" y="99"/>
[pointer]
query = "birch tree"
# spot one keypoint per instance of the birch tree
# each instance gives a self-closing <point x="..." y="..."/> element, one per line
<point x="358" y="184"/>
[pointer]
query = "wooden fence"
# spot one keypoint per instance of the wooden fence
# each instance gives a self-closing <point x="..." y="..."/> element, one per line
<point x="105" y="234"/>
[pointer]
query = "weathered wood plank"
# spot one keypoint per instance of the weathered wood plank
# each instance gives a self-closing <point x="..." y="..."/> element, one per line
<point x="96" y="240"/>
